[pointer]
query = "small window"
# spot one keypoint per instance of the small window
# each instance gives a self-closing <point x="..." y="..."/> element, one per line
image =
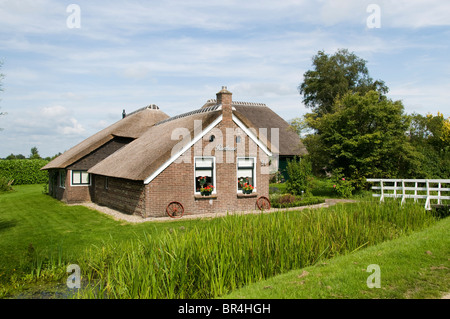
<point x="238" y="139"/>
<point x="246" y="171"/>
<point x="204" y="173"/>
<point x="62" y="178"/>
<point x="106" y="182"/>
<point x="81" y="178"/>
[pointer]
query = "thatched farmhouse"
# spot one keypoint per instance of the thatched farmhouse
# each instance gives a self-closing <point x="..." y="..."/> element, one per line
<point x="216" y="158"/>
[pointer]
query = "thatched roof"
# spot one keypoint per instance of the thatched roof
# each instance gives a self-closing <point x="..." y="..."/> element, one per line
<point x="142" y="157"/>
<point x="258" y="115"/>
<point x="132" y="126"/>
<point x="153" y="145"/>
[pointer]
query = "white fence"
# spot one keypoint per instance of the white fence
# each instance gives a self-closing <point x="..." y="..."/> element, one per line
<point x="428" y="189"/>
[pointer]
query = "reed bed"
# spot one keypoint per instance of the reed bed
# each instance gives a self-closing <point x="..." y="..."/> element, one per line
<point x="240" y="249"/>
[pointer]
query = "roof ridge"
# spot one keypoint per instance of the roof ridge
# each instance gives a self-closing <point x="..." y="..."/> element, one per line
<point x="238" y="103"/>
<point x="197" y="111"/>
<point x="148" y="107"/>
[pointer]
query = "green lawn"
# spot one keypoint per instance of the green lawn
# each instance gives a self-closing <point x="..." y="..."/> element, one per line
<point x="27" y="216"/>
<point x="414" y="266"/>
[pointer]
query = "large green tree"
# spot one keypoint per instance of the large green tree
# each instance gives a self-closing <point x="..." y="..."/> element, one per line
<point x="333" y="76"/>
<point x="364" y="136"/>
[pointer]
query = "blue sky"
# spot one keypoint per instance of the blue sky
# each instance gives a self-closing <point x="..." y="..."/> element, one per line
<point x="63" y="84"/>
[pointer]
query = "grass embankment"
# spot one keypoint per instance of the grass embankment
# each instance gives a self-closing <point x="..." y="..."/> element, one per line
<point x="182" y="259"/>
<point x="414" y="266"/>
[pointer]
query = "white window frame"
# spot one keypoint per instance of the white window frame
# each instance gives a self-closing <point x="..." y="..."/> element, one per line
<point x="239" y="191"/>
<point x="213" y="173"/>
<point x="62" y="173"/>
<point x="79" y="170"/>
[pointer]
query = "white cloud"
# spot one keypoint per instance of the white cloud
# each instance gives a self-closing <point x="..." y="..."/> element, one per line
<point x="75" y="129"/>
<point x="54" y="111"/>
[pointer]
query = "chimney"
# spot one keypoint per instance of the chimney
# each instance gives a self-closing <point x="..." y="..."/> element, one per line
<point x="224" y="98"/>
<point x="124" y="114"/>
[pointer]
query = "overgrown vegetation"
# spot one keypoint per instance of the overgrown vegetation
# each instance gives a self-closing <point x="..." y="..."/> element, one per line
<point x="206" y="263"/>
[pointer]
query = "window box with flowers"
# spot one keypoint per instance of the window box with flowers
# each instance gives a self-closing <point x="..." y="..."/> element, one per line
<point x="247" y="188"/>
<point x="206" y="190"/>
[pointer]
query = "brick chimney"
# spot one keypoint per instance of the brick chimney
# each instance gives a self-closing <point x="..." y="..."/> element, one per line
<point x="224" y="98"/>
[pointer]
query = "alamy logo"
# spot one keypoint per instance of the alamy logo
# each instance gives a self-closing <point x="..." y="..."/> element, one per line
<point x="374" y="280"/>
<point x="74" y="280"/>
<point x="374" y="19"/>
<point x="74" y="19"/>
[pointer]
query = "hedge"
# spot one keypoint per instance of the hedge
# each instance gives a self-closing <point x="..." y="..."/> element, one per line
<point x="288" y="200"/>
<point x="24" y="171"/>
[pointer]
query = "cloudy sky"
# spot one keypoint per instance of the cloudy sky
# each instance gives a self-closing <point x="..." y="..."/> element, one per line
<point x="69" y="72"/>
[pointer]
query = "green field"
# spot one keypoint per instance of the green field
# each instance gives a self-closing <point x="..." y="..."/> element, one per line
<point x="209" y="258"/>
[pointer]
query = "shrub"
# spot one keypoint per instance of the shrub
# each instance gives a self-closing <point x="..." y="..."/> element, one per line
<point x="342" y="186"/>
<point x="24" y="171"/>
<point x="5" y="184"/>
<point x="288" y="200"/>
<point x="300" y="176"/>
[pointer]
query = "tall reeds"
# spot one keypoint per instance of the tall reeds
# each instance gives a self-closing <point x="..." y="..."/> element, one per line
<point x="240" y="249"/>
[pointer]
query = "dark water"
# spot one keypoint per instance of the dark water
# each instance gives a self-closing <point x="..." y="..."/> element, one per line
<point x="59" y="291"/>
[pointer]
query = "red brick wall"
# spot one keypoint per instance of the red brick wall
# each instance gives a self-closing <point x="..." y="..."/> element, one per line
<point x="72" y="194"/>
<point x="176" y="182"/>
<point x="124" y="195"/>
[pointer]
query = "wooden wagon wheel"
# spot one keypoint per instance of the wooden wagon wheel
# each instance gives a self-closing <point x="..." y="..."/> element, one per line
<point x="263" y="203"/>
<point x="175" y="210"/>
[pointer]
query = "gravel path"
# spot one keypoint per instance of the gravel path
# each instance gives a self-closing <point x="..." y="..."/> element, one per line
<point x="117" y="215"/>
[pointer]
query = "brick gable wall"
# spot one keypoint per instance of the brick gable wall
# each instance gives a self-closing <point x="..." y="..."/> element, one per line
<point x="177" y="183"/>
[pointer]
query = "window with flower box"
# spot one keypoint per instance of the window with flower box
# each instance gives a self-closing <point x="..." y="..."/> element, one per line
<point x="205" y="173"/>
<point x="246" y="173"/>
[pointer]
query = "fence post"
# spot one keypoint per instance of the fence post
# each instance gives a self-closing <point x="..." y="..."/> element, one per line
<point x="382" y="191"/>
<point x="403" y="191"/>
<point x="427" y="202"/>
<point x="439" y="193"/>
<point x="395" y="189"/>
<point x="415" y="191"/>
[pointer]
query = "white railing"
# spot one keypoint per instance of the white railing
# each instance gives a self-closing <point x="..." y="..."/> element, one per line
<point x="427" y="189"/>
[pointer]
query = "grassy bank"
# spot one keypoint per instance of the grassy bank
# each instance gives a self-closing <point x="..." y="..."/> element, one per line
<point x="240" y="250"/>
<point x="184" y="258"/>
<point x="414" y="266"/>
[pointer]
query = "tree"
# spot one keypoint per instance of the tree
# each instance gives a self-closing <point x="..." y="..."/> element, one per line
<point x="430" y="135"/>
<point x="34" y="153"/>
<point x="364" y="136"/>
<point x="333" y="76"/>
